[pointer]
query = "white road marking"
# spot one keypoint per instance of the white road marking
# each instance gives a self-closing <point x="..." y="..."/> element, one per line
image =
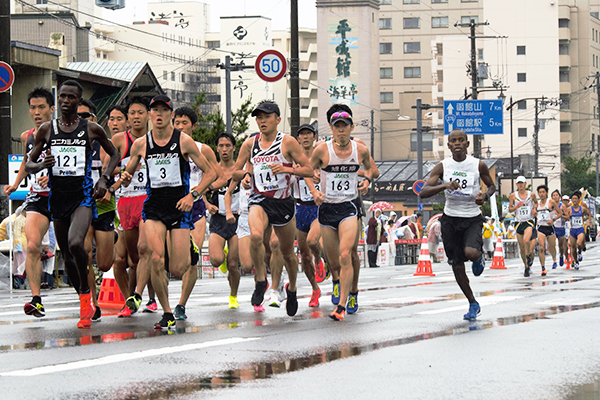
<point x="485" y="301"/>
<point x="118" y="358"/>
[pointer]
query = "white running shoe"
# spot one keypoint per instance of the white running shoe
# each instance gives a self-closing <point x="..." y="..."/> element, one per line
<point x="274" y="299"/>
<point x="282" y="294"/>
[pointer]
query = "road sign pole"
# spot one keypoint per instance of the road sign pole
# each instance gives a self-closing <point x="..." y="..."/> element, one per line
<point x="5" y="128"/>
<point x="228" y="94"/>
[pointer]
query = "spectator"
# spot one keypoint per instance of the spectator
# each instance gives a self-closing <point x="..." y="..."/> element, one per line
<point x="393" y="217"/>
<point x="488" y="245"/>
<point x="511" y="232"/>
<point x="433" y="239"/>
<point x="414" y="227"/>
<point x="420" y="224"/>
<point x="390" y="229"/>
<point x="373" y="237"/>
<point x="14" y="226"/>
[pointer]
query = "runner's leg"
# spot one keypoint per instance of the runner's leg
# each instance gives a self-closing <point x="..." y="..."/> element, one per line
<point x="36" y="226"/>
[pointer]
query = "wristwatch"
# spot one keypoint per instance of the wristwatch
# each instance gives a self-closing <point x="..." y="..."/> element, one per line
<point x="111" y="190"/>
<point x="195" y="194"/>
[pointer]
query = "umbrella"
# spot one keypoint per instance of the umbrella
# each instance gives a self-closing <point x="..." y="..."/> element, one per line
<point x="382" y="206"/>
<point x="402" y="219"/>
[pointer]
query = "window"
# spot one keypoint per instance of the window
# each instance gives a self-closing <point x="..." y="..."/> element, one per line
<point x="385" y="23"/>
<point x="480" y="54"/>
<point x="563" y="47"/>
<point x="439" y="1"/>
<point x="522" y="132"/>
<point x="183" y="78"/>
<point x="469" y="1"/>
<point x="439" y="22"/>
<point x="165" y="75"/>
<point x="467" y="19"/>
<point x="563" y="23"/>
<point x="104" y="56"/>
<point x="412" y="47"/>
<point x="410" y="1"/>
<point x="521" y="77"/>
<point x="97" y="55"/>
<point x="565" y="126"/>
<point x="595" y="14"/>
<point x="173" y="76"/>
<point x="213" y="44"/>
<point x="522" y="105"/>
<point x="386" y="97"/>
<point x="412" y="23"/>
<point x="440" y="49"/>
<point x="440" y="75"/>
<point x="385" y="1"/>
<point x="385" y="48"/>
<point x="42" y="2"/>
<point x="521" y="50"/>
<point x="386" y="73"/>
<point x="427" y="141"/>
<point x="563" y="74"/>
<point x="565" y="100"/>
<point x="412" y="72"/>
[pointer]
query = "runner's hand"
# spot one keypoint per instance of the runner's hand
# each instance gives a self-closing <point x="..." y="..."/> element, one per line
<point x="363" y="187"/>
<point x="185" y="204"/>
<point x="212" y="209"/>
<point x="317" y="176"/>
<point x="8" y="189"/>
<point x="230" y="217"/>
<point x="247" y="182"/>
<point x="105" y="199"/>
<point x="278" y="169"/>
<point x="452" y="185"/>
<point x="100" y="189"/>
<point x="43" y="181"/>
<point x="48" y="161"/>
<point x="319" y="198"/>
<point x="125" y="178"/>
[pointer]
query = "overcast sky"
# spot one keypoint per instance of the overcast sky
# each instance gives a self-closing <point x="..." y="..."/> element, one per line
<point x="277" y="10"/>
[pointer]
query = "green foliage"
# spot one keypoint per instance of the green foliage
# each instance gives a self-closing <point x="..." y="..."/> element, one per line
<point x="438" y="207"/>
<point x="212" y="125"/>
<point x="576" y="175"/>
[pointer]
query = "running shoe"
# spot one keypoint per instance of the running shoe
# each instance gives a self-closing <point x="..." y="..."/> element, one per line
<point x="543" y="271"/>
<point x="134" y="302"/>
<point x="223" y="267"/>
<point x="233" y="302"/>
<point x="34" y="308"/>
<point x="125" y="312"/>
<point x="166" y="322"/>
<point x="576" y="266"/>
<point x="274" y="299"/>
<point x="151" y="306"/>
<point x="314" y="298"/>
<point x="474" y="311"/>
<point x="84" y="323"/>
<point x="179" y="312"/>
<point x="338" y="314"/>
<point x="327" y="271"/>
<point x="258" y="296"/>
<point x="529" y="260"/>
<point x="352" y="306"/>
<point x="579" y="257"/>
<point x="97" y="315"/>
<point x="561" y="261"/>
<point x="291" y="305"/>
<point x="86" y="311"/>
<point x="527" y="272"/>
<point x="477" y="266"/>
<point x="320" y="272"/>
<point x="554" y="266"/>
<point x="259" y="308"/>
<point x="335" y="294"/>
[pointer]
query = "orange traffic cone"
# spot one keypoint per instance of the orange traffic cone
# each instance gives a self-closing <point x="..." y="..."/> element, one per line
<point x="110" y="295"/>
<point x="424" y="265"/>
<point x="498" y="261"/>
<point x="568" y="258"/>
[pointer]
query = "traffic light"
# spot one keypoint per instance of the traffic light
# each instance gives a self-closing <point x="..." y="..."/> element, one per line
<point x="111" y="4"/>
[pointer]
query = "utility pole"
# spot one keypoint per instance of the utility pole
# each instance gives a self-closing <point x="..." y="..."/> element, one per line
<point x="294" y="71"/>
<point x="228" y="67"/>
<point x="536" y="132"/>
<point x="372" y="148"/>
<point x="5" y="110"/>
<point x="598" y="148"/>
<point x="472" y="25"/>
<point x="512" y="156"/>
<point x="420" y="129"/>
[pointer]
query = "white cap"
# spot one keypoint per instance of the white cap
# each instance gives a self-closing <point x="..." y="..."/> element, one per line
<point x="521" y="179"/>
<point x="393" y="213"/>
<point x="565" y="197"/>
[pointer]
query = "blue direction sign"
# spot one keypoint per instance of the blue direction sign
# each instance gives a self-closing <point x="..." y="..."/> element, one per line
<point x="475" y="117"/>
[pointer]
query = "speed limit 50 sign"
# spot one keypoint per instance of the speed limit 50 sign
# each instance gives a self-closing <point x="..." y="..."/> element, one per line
<point x="270" y="65"/>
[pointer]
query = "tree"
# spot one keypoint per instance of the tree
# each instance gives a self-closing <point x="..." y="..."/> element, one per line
<point x="576" y="175"/>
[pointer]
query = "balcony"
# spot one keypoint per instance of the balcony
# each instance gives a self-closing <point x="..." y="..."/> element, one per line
<point x="565" y="87"/>
<point x="564" y="60"/>
<point x="564" y="34"/>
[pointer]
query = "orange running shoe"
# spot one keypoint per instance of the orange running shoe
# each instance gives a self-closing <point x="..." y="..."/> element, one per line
<point x="84" y="323"/>
<point x="125" y="312"/>
<point x="320" y="275"/>
<point x="314" y="299"/>
<point x="338" y="314"/>
<point x="86" y="307"/>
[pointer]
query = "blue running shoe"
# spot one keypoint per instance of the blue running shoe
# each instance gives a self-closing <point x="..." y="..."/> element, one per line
<point x="478" y="266"/>
<point x="335" y="294"/>
<point x="352" y="305"/>
<point x="561" y="261"/>
<point x="579" y="257"/>
<point x="554" y="266"/>
<point x="474" y="311"/>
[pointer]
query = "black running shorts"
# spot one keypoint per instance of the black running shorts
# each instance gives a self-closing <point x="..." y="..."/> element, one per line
<point x="459" y="233"/>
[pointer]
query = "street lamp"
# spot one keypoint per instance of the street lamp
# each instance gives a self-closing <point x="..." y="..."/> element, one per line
<point x="488" y="153"/>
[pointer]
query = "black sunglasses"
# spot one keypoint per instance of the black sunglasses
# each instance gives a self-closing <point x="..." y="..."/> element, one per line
<point x="86" y="115"/>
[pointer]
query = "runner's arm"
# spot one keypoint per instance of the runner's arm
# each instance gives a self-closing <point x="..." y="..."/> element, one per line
<point x="8" y="189"/>
<point x="432" y="188"/>
<point x="239" y="171"/>
<point x="41" y="138"/>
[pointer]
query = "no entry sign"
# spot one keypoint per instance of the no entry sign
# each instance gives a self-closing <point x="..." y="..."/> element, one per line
<point x="7" y="76"/>
<point x="270" y="65"/>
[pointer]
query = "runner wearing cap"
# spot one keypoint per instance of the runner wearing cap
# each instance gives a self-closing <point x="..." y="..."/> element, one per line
<point x="462" y="221"/>
<point x="560" y="226"/>
<point x="522" y="204"/>
<point x="577" y="213"/>
<point x="37" y="219"/>
<point x="72" y="193"/>
<point x="339" y="161"/>
<point x="166" y="153"/>
<point x="548" y="213"/>
<point x="275" y="158"/>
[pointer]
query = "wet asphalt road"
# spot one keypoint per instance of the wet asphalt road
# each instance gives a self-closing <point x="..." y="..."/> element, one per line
<point x="537" y="338"/>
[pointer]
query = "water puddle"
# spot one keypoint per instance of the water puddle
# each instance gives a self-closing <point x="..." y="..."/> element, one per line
<point x="587" y="391"/>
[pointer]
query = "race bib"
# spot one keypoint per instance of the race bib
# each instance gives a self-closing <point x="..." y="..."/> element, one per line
<point x="341" y="185"/>
<point x="164" y="172"/>
<point x="466" y="181"/>
<point x="96" y="168"/>
<point x="305" y="194"/>
<point x="70" y="160"/>
<point x="543" y="216"/>
<point x="524" y="212"/>
<point x="138" y="179"/>
<point x="576" y="222"/>
<point x="265" y="180"/>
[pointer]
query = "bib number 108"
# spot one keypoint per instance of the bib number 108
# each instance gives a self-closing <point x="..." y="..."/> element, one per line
<point x="462" y="183"/>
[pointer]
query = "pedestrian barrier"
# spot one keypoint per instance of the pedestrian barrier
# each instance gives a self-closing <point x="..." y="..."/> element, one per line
<point x="424" y="265"/>
<point x="498" y="261"/>
<point x="110" y="294"/>
<point x="407" y="251"/>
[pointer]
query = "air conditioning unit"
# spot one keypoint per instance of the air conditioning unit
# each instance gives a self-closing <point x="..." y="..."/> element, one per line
<point x="482" y="71"/>
<point x="111" y="4"/>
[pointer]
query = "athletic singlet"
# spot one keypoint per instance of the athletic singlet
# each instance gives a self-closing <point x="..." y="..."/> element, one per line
<point x="559" y="223"/>
<point x="523" y="213"/>
<point x="96" y="162"/>
<point x="544" y="214"/>
<point x="266" y="183"/>
<point x="35" y="187"/>
<point x="139" y="179"/>
<point x="72" y="171"/>
<point x="576" y="218"/>
<point x="301" y="191"/>
<point x="195" y="172"/>
<point x="218" y="199"/>
<point x="243" y="200"/>
<point x="168" y="170"/>
<point x="461" y="202"/>
<point x="339" y="179"/>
